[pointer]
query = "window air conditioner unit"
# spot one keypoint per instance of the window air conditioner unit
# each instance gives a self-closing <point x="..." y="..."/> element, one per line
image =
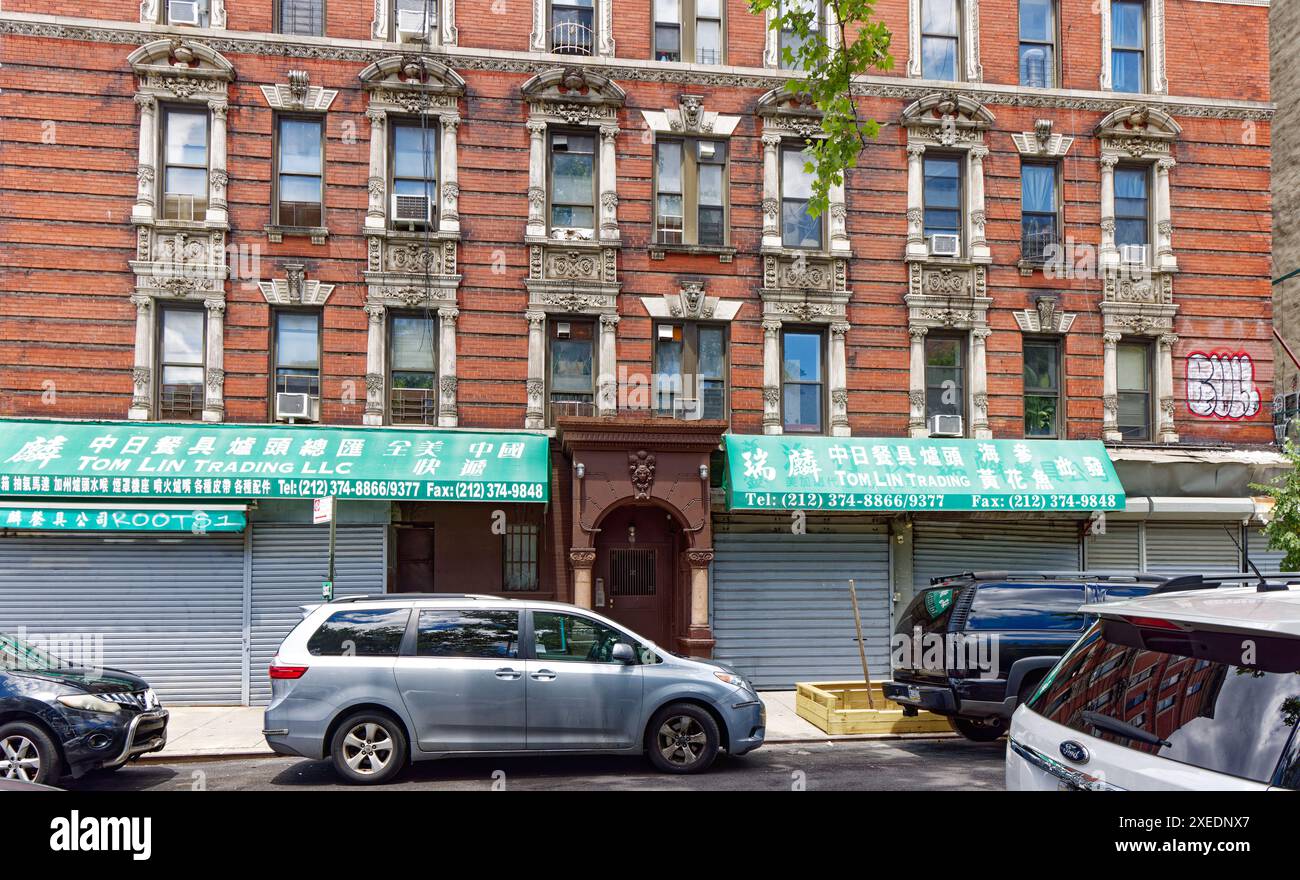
<point x="291" y="407"/>
<point x="945" y="245"/>
<point x="411" y="209"/>
<point x="183" y="12"/>
<point x="411" y="24"/>
<point x="946" y="426"/>
<point x="1133" y="253"/>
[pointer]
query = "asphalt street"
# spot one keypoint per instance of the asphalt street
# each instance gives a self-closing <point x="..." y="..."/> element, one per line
<point x="947" y="764"/>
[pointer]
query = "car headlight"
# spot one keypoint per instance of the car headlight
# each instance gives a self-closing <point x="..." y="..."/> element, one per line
<point x="728" y="678"/>
<point x="90" y="703"/>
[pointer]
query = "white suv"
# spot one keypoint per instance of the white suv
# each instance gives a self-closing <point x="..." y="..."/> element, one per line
<point x="1193" y="687"/>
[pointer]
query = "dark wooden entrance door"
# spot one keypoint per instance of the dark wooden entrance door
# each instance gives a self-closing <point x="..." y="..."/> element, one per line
<point x="414" y="559"/>
<point x="635" y="572"/>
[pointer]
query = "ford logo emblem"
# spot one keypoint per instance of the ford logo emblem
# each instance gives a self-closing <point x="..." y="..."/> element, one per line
<point x="1074" y="751"/>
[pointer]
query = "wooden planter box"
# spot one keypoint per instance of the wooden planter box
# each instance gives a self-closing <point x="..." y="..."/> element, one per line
<point x="840" y="707"/>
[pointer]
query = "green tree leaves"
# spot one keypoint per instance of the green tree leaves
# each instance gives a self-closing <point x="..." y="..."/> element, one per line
<point x="861" y="45"/>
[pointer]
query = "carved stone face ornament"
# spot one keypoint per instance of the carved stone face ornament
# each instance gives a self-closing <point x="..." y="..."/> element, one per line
<point x="641" y="469"/>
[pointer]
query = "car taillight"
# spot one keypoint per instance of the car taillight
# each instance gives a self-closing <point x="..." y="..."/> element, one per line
<point x="1154" y="623"/>
<point x="287" y="671"/>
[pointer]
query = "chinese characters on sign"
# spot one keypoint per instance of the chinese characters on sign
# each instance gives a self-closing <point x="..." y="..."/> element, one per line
<point x="102" y="519"/>
<point x="236" y="461"/>
<point x="784" y="473"/>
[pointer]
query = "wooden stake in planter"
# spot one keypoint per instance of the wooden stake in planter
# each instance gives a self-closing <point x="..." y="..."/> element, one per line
<point x="862" y="649"/>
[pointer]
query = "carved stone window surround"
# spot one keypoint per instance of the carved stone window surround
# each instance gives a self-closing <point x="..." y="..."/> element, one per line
<point x="951" y="123"/>
<point x="1157" y="81"/>
<point x="412" y="269"/>
<point x="948" y="296"/>
<point x="805" y="307"/>
<point x="969" y="41"/>
<point x="179" y="260"/>
<point x="1139" y="135"/>
<point x="791" y="119"/>
<point x="572" y="97"/>
<point x="540" y="38"/>
<point x="772" y="37"/>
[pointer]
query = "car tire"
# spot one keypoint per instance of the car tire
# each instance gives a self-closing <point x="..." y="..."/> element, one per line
<point x="682" y="738"/>
<point x="1027" y="690"/>
<point x="976" y="732"/>
<point x="369" y="748"/>
<point x="27" y="753"/>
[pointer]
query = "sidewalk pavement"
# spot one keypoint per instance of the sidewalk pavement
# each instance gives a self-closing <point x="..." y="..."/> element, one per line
<point x="228" y="731"/>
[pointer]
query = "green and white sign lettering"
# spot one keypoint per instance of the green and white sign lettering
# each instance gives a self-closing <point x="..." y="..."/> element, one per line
<point x="133" y="460"/>
<point x="900" y="474"/>
<point x="195" y="520"/>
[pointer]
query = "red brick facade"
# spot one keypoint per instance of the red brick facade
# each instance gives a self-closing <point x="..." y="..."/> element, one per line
<point x="69" y="132"/>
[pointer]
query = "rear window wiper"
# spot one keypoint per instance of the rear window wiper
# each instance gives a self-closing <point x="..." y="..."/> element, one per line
<point x="1123" y="728"/>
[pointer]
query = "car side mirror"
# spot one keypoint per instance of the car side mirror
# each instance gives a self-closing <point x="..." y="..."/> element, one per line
<point x="624" y="653"/>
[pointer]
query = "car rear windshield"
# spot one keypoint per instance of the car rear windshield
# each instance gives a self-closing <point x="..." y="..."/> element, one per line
<point x="360" y="632"/>
<point x="1226" y="702"/>
<point x="1016" y="606"/>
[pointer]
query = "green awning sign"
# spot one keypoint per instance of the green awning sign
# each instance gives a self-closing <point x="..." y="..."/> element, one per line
<point x="780" y="472"/>
<point x="169" y="460"/>
<point x="195" y="520"/>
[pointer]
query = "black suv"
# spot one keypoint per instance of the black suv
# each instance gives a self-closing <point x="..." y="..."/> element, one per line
<point x="56" y="718"/>
<point x="973" y="646"/>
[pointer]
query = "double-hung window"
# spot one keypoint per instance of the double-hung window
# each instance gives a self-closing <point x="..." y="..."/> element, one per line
<point x="181" y="362"/>
<point x="690" y="184"/>
<point x="942" y="195"/>
<point x="572" y="368"/>
<point x="573" y="27"/>
<point x="304" y="18"/>
<point x="412" y="366"/>
<point x="1042" y="374"/>
<point x="573" y="180"/>
<point x="789" y="38"/>
<point x="688" y="30"/>
<point x="1132" y="210"/>
<point x="414" y="172"/>
<point x="1133" y="382"/>
<point x="1128" y="45"/>
<point x="945" y="377"/>
<point x="1038" y="43"/>
<point x="297" y="353"/>
<point x="1038" y="211"/>
<point x="299" y="189"/>
<point x="691" y="370"/>
<point x="802" y="381"/>
<point x="940" y="39"/>
<point x="799" y="228"/>
<point x="185" y="163"/>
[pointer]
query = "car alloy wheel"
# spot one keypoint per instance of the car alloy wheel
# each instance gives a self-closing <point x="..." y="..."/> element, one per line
<point x="682" y="740"/>
<point x="19" y="758"/>
<point x="367" y="748"/>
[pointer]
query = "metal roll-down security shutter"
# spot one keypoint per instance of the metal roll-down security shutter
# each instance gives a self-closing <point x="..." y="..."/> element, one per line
<point x="289" y="563"/>
<point x="940" y="549"/>
<point x="1192" y="548"/>
<point x="169" y="609"/>
<point x="1119" y="550"/>
<point x="781" y="609"/>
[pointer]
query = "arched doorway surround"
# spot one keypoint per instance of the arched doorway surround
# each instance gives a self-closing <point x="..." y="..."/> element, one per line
<point x="642" y="537"/>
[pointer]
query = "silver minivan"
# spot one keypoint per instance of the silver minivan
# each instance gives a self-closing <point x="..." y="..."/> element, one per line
<point x="376" y="681"/>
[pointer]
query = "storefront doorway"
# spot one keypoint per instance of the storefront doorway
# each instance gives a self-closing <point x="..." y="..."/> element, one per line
<point x="635" y="572"/>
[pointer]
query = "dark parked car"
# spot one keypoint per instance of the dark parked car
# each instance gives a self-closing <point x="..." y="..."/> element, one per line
<point x="974" y="646"/>
<point x="57" y="719"/>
